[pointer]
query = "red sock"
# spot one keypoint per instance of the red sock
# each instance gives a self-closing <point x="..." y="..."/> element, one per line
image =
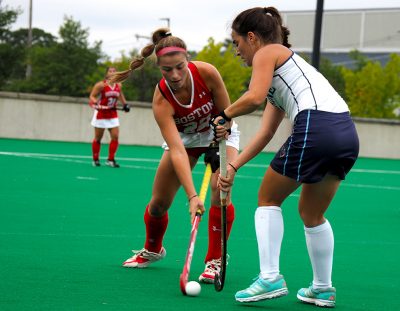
<point x="95" y="149"/>
<point x="112" y="149"/>
<point x="155" y="230"/>
<point x="214" y="230"/>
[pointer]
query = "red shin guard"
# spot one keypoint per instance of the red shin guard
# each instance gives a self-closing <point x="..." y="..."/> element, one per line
<point x="112" y="149"/>
<point x="96" y="149"/>
<point x="155" y="230"/>
<point x="214" y="230"/>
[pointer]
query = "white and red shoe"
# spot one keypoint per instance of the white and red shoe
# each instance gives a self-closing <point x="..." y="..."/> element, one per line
<point x="212" y="267"/>
<point x="143" y="258"/>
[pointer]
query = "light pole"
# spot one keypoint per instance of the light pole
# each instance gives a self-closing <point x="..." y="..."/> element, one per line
<point x="317" y="34"/>
<point x="167" y="19"/>
<point x="28" y="73"/>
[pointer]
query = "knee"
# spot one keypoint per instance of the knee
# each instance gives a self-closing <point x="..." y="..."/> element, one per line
<point x="311" y="219"/>
<point x="158" y="208"/>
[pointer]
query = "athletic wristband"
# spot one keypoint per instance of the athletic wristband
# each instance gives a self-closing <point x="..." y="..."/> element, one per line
<point x="222" y="114"/>
<point x="233" y="167"/>
<point x="193" y="196"/>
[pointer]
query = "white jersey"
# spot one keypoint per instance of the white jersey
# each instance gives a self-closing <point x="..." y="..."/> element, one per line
<point x="298" y="86"/>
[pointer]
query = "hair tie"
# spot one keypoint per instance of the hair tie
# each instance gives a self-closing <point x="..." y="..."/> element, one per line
<point x="266" y="11"/>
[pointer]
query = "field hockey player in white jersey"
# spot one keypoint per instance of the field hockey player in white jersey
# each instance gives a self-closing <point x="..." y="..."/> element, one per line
<point x="186" y="98"/>
<point x="317" y="155"/>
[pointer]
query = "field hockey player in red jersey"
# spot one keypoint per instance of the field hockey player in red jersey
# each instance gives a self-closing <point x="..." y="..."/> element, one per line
<point x="103" y="99"/>
<point x="184" y="102"/>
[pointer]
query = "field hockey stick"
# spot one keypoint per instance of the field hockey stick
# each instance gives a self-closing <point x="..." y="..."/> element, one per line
<point x="97" y="107"/>
<point x="219" y="279"/>
<point x="189" y="255"/>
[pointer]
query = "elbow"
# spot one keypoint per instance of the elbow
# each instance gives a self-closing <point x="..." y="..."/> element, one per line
<point x="256" y="101"/>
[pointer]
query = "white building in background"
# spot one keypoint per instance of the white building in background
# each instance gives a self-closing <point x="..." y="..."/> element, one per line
<point x="373" y="32"/>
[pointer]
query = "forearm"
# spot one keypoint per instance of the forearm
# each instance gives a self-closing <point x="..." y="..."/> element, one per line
<point x="93" y="99"/>
<point x="122" y="99"/>
<point x="244" y="105"/>
<point x="270" y="121"/>
<point x="255" y="146"/>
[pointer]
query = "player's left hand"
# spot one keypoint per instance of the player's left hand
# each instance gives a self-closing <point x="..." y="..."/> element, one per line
<point x="126" y="107"/>
<point x="225" y="183"/>
<point x="195" y="204"/>
<point x="221" y="128"/>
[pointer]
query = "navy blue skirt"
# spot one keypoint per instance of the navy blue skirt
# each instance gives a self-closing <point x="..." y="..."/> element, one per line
<point x="321" y="143"/>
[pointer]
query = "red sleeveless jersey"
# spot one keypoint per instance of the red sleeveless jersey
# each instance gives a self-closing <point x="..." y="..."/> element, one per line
<point x="108" y="98"/>
<point x="195" y="116"/>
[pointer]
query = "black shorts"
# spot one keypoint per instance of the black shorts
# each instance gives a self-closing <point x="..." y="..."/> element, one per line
<point x="321" y="143"/>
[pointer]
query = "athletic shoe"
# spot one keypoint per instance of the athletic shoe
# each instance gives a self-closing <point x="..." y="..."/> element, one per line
<point x="143" y="258"/>
<point x="322" y="297"/>
<point x="212" y="267"/>
<point x="263" y="289"/>
<point x="112" y="163"/>
<point x="96" y="163"/>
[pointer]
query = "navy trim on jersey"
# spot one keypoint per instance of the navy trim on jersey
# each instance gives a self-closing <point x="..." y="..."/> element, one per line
<point x="285" y="61"/>
<point x="287" y="85"/>
<point x="305" y="77"/>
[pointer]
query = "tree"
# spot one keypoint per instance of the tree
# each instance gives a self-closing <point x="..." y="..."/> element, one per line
<point x="373" y="91"/>
<point x="62" y="68"/>
<point x="9" y="55"/>
<point x="234" y="73"/>
<point x="334" y="75"/>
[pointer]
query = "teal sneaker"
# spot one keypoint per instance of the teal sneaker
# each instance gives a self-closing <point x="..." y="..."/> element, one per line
<point x="263" y="289"/>
<point x="322" y="297"/>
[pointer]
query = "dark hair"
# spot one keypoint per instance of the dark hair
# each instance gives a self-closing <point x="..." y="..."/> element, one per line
<point x="266" y="23"/>
<point x="161" y="38"/>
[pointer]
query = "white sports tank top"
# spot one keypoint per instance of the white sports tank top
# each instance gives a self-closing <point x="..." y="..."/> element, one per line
<point x="298" y="86"/>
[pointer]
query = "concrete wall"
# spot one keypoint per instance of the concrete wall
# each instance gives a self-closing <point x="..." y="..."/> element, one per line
<point x="31" y="116"/>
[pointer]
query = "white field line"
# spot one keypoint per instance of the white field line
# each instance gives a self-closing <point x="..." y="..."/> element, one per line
<point x="72" y="158"/>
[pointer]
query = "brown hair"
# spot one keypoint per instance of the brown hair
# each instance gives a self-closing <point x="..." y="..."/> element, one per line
<point x="264" y="22"/>
<point x="161" y="38"/>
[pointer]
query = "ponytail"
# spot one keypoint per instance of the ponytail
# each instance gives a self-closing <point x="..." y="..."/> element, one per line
<point x="160" y="38"/>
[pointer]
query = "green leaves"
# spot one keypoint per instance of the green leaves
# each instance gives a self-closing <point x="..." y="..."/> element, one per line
<point x="373" y="91"/>
<point x="234" y="73"/>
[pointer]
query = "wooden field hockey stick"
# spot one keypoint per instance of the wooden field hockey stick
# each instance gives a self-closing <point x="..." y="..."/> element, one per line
<point x="219" y="279"/>
<point x="189" y="255"/>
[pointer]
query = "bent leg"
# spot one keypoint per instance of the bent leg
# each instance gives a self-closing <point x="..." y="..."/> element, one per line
<point x="214" y="214"/>
<point x="269" y="225"/>
<point x="314" y="201"/>
<point x="166" y="184"/>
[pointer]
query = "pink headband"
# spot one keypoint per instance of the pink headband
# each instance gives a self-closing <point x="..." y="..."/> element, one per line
<point x="170" y="49"/>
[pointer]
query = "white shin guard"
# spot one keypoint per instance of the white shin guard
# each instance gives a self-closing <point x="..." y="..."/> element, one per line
<point x="320" y="244"/>
<point x="269" y="231"/>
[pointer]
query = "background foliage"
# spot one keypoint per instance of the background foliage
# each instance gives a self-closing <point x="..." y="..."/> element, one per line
<point x="69" y="65"/>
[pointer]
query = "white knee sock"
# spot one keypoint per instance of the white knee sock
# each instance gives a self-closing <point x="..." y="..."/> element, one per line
<point x="320" y="244"/>
<point x="269" y="230"/>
